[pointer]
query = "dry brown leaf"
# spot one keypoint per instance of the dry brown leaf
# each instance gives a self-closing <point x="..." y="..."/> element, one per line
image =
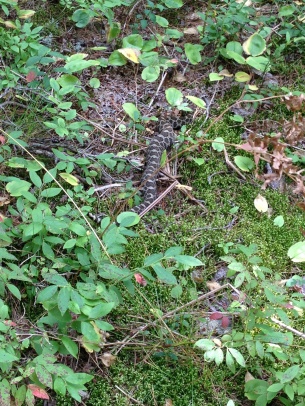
<point x="248" y="377"/>
<point x="213" y="285"/>
<point x="108" y="359"/>
<point x="179" y="78"/>
<point x="191" y="31"/>
<point x="261" y="204"/>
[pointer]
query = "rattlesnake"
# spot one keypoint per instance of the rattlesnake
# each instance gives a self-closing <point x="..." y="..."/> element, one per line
<point x="164" y="140"/>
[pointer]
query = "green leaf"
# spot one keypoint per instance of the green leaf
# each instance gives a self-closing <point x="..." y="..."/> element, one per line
<point x="14" y="290"/>
<point x="288" y="389"/>
<point x="79" y="378"/>
<point x="117" y="59"/>
<point x="244" y="163"/>
<point x="290" y="374"/>
<point x="51" y="192"/>
<point x="242" y="77"/>
<point x="89" y="332"/>
<point x="255" y="45"/>
<point x="286" y="10"/>
<point x="101" y="310"/>
<point x="173" y="3"/>
<point x="161" y="21"/>
<point x="215" y="77"/>
<point x="128" y="219"/>
<point x="188" y="260"/>
<point x="205" y="344"/>
<point x="164" y="275"/>
<point x="153" y="259"/>
<point x="59" y="385"/>
<point x="174" y="96"/>
<point x="237" y="118"/>
<point x="7" y="357"/>
<point x="63" y="299"/>
<point x="297" y="252"/>
<point x="199" y="161"/>
<point x="32" y="229"/>
<point x="35" y="179"/>
<point x="47" y="293"/>
<point x="151" y="73"/>
<point x="95" y="83"/>
<point x="82" y="17"/>
<point x="103" y="325"/>
<point x="68" y="80"/>
<point x="259" y="62"/>
<point x="69" y="244"/>
<point x="198" y="102"/>
<point x="219" y="357"/>
<point x="114" y="31"/>
<point x="230" y="362"/>
<point x="4" y="254"/>
<point x="218" y="144"/>
<point x="77" y="229"/>
<point x="192" y="52"/>
<point x="5" y="390"/>
<point x="238" y="356"/>
<point x="70" y="346"/>
<point x="176" y="291"/>
<point x="17" y="187"/>
<point x="44" y="375"/>
<point x="276" y="387"/>
<point x="236" y="57"/>
<point x="132" y="111"/>
<point x="234" y="46"/>
<point x="279" y="221"/>
<point x="69" y="178"/>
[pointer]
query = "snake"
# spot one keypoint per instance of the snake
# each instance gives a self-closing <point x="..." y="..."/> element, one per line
<point x="163" y="140"/>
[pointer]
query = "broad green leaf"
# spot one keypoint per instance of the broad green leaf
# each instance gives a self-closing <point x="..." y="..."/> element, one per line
<point x="238" y="356"/>
<point x="35" y="178"/>
<point x="113" y="31"/>
<point x="59" y="386"/>
<point x="51" y="192"/>
<point x="198" y="102"/>
<point x="70" y="243"/>
<point x="77" y="229"/>
<point x="279" y="221"/>
<point x="213" y="76"/>
<point x="89" y="332"/>
<point x="192" y="52"/>
<point x="117" y="59"/>
<point x="47" y="293"/>
<point x="153" y="259"/>
<point x="172" y="252"/>
<point x="82" y="17"/>
<point x="219" y="357"/>
<point x="4" y="254"/>
<point x="164" y="275"/>
<point x="69" y="178"/>
<point x="188" y="260"/>
<point x="237" y="58"/>
<point x="234" y="46"/>
<point x="290" y="374"/>
<point x="70" y="346"/>
<point x="80" y="65"/>
<point x="259" y="62"/>
<point x="205" y="344"/>
<point x="32" y="229"/>
<point x="151" y="73"/>
<point x="7" y="357"/>
<point x="161" y="21"/>
<point x="44" y="375"/>
<point x="63" y="299"/>
<point x="174" y="96"/>
<point x="14" y="290"/>
<point x="218" y="144"/>
<point x="297" y="252"/>
<point x="95" y="83"/>
<point x="103" y="325"/>
<point x="132" y="111"/>
<point x="133" y="41"/>
<point x="244" y="163"/>
<point x="199" y="161"/>
<point x="176" y="291"/>
<point x="276" y="387"/>
<point x="79" y="378"/>
<point x="56" y="279"/>
<point x="17" y="187"/>
<point x="255" y="45"/>
<point x="287" y="10"/>
<point x="67" y="80"/>
<point x="128" y="219"/>
<point x="101" y="310"/>
<point x="173" y="3"/>
<point x="5" y="390"/>
<point x="242" y="77"/>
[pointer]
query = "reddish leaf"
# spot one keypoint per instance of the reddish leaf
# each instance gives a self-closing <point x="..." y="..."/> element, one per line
<point x="216" y="316"/>
<point x="38" y="392"/>
<point x="30" y="76"/>
<point x="9" y="322"/>
<point x="2" y="140"/>
<point x="139" y="278"/>
<point x="225" y="322"/>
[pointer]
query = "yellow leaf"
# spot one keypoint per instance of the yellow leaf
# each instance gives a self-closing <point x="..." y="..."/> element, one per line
<point x="130" y="53"/>
<point x="261" y="204"/>
<point x="10" y="24"/>
<point x="226" y="73"/>
<point x="72" y="180"/>
<point x="253" y="87"/>
<point x="25" y="14"/>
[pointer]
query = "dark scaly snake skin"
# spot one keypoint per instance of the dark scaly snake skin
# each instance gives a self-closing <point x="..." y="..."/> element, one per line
<point x="164" y="140"/>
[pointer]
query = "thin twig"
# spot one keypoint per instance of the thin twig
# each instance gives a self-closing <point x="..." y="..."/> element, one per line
<point x="293" y="330"/>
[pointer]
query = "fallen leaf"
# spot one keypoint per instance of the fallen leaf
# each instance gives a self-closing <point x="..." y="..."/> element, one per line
<point x="140" y="279"/>
<point x="108" y="359"/>
<point x="130" y="53"/>
<point x="213" y="285"/>
<point x="38" y="392"/>
<point x="248" y="377"/>
<point x="2" y="140"/>
<point x="261" y="204"/>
